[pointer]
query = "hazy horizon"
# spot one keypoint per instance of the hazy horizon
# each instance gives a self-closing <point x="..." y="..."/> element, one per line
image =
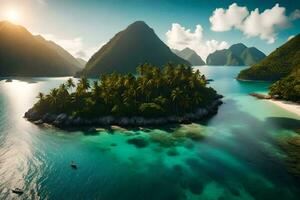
<point x="82" y="27"/>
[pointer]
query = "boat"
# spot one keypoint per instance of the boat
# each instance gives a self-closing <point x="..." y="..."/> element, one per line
<point x="73" y="165"/>
<point x="17" y="191"/>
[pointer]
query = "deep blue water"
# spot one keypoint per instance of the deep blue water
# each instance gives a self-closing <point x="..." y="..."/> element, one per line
<point x="237" y="158"/>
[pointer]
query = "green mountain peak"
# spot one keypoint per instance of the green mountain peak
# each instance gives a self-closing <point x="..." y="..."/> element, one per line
<point x="137" y="44"/>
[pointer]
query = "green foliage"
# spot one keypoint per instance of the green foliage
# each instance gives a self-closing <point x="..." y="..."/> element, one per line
<point x="173" y="90"/>
<point x="277" y="65"/>
<point x="236" y="55"/>
<point x="22" y="54"/>
<point x="287" y="88"/>
<point x="129" y="48"/>
<point x="151" y="109"/>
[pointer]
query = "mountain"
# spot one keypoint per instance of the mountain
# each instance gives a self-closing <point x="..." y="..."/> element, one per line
<point x="189" y="55"/>
<point x="62" y="52"/>
<point x="135" y="45"/>
<point x="22" y="54"/>
<point x="236" y="55"/>
<point x="82" y="62"/>
<point x="278" y="64"/>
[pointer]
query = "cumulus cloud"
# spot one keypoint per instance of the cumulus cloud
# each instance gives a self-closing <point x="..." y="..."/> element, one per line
<point x="253" y="24"/>
<point x="225" y="20"/>
<point x="179" y="38"/>
<point x="73" y="45"/>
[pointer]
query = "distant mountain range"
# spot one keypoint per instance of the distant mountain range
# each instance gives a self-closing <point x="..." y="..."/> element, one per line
<point x="236" y="55"/>
<point x="23" y="54"/>
<point x="189" y="55"/>
<point x="82" y="62"/>
<point x="63" y="53"/>
<point x="135" y="45"/>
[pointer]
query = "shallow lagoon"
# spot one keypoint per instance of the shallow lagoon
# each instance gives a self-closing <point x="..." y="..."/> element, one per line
<point x="236" y="158"/>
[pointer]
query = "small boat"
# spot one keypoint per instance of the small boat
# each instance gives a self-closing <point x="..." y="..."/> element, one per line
<point x="8" y="80"/>
<point x="73" y="165"/>
<point x="17" y="191"/>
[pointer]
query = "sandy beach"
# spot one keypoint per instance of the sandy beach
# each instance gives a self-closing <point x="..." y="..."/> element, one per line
<point x="288" y="105"/>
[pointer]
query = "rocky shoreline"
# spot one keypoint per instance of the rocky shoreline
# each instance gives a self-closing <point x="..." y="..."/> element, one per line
<point x="260" y="96"/>
<point x="63" y="121"/>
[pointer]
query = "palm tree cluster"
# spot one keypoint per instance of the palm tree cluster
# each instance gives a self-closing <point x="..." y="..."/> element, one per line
<point x="152" y="92"/>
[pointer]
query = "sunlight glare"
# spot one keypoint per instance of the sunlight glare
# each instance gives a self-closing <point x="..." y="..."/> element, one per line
<point x="12" y="15"/>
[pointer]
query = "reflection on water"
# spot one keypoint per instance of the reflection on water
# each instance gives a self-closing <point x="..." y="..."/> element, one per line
<point x="237" y="157"/>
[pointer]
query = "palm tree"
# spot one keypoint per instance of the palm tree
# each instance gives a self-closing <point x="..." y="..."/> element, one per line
<point x="176" y="96"/>
<point x="83" y="85"/>
<point x="197" y="98"/>
<point x="41" y="96"/>
<point x="70" y="83"/>
<point x="96" y="90"/>
<point x="53" y="97"/>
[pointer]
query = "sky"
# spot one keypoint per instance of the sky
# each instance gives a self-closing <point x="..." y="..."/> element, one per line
<point x="83" y="26"/>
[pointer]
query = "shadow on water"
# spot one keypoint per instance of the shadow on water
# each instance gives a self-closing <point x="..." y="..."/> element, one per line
<point x="253" y="145"/>
<point x="240" y="165"/>
<point x="284" y="123"/>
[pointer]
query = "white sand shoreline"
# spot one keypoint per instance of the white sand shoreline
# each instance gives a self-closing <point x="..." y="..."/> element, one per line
<point x="287" y="105"/>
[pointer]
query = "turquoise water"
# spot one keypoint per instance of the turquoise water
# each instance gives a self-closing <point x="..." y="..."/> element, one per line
<point x="237" y="158"/>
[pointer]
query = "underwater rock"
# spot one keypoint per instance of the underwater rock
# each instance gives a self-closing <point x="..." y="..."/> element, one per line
<point x="139" y="142"/>
<point x="291" y="147"/>
<point x="92" y="130"/>
<point x="163" y="139"/>
<point x="172" y="152"/>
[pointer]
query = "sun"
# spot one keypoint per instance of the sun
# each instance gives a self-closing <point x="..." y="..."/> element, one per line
<point x="13" y="15"/>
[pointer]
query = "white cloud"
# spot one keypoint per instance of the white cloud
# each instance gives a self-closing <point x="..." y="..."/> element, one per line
<point x="291" y="37"/>
<point x="179" y="38"/>
<point x="264" y="25"/>
<point x="42" y="2"/>
<point x="73" y="45"/>
<point x="224" y="20"/>
<point x="295" y="15"/>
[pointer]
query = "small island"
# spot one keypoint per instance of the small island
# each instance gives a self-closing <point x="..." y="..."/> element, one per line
<point x="153" y="96"/>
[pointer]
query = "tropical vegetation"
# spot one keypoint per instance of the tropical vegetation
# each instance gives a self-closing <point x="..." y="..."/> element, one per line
<point x="173" y="90"/>
<point x="280" y="63"/>
<point x="282" y="66"/>
<point x="287" y="88"/>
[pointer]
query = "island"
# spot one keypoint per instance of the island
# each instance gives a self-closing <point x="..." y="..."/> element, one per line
<point x="152" y="96"/>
